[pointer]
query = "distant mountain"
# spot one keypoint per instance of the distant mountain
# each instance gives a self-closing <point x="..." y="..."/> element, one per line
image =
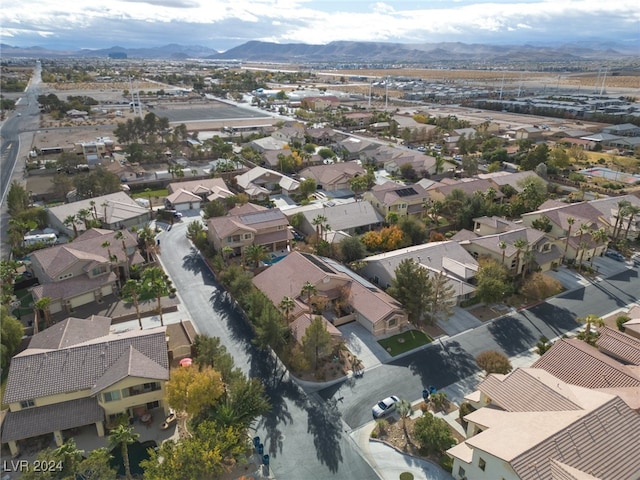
<point x="380" y="52"/>
<point x="356" y="52"/>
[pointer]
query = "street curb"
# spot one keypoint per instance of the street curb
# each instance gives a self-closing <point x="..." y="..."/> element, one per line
<point x="377" y="440"/>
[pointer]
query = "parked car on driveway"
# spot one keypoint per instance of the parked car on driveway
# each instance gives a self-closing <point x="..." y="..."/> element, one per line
<point x="615" y="255"/>
<point x="385" y="406"/>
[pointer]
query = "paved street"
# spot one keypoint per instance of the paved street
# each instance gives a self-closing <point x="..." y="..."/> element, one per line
<point x="298" y="425"/>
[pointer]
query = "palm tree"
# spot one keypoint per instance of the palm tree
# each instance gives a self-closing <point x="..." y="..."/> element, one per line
<point x="317" y="222"/>
<point x="404" y="410"/>
<point x="70" y="220"/>
<point x="147" y="237"/>
<point x="120" y="236"/>
<point x="131" y="289"/>
<point x="326" y="228"/>
<point x="154" y="280"/>
<point x="527" y="258"/>
<point x="600" y="237"/>
<point x="43" y="305"/>
<point x="308" y="289"/>
<point x="226" y="253"/>
<point x="622" y="205"/>
<point x="70" y="454"/>
<point x="287" y="304"/>
<point x="255" y="254"/>
<point x="112" y="259"/>
<point x="582" y="246"/>
<point x="584" y="228"/>
<point x="589" y="321"/>
<point x="503" y="246"/>
<point x="632" y="210"/>
<point x="570" y="221"/>
<point x="519" y="244"/>
<point x="123" y="436"/>
<point x="83" y="215"/>
<point x="94" y="212"/>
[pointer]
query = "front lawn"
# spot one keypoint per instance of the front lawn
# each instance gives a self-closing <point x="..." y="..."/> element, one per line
<point x="405" y="341"/>
<point x="161" y="192"/>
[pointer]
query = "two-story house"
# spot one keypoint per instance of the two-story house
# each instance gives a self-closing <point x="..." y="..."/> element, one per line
<point x="468" y="186"/>
<point x="447" y="257"/>
<point x="84" y="271"/>
<point x="77" y="373"/>
<point x="404" y="200"/>
<point x="344" y="295"/>
<point x="189" y="195"/>
<point x="250" y="225"/>
<point x="259" y="182"/>
<point x="530" y="425"/>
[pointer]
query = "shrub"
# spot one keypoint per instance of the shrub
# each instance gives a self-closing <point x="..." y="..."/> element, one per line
<point x="381" y="426"/>
<point x="620" y="321"/>
<point x="432" y="434"/>
<point x="493" y="361"/>
<point x="439" y="400"/>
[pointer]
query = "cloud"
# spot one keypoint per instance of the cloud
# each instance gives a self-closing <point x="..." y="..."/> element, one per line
<point x="222" y="24"/>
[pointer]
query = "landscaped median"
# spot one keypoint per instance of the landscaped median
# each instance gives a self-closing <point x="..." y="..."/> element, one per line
<point x="405" y="341"/>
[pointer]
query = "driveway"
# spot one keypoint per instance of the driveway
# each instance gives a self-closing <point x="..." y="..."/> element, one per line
<point x="364" y="345"/>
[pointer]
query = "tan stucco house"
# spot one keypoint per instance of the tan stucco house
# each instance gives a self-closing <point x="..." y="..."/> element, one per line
<point x="77" y="373"/>
<point x="337" y="286"/>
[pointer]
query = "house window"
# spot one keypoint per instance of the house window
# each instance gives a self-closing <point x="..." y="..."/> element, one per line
<point x="140" y="389"/>
<point x="63" y="277"/>
<point x="461" y="472"/>
<point x="482" y="464"/>
<point x="28" y="403"/>
<point x="280" y="227"/>
<point x="247" y="236"/>
<point x="111" y="396"/>
<point x="393" y="322"/>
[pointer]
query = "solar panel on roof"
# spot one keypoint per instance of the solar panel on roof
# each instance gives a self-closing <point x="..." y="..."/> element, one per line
<point x="406" y="192"/>
<point x="317" y="262"/>
<point x="262" y="216"/>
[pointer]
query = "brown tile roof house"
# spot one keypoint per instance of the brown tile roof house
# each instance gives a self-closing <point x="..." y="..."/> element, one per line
<point x="401" y="199"/>
<point x="374" y="309"/>
<point x="530" y="425"/>
<point x="183" y="195"/>
<point x="510" y="178"/>
<point x="81" y="272"/>
<point x="618" y="345"/>
<point x="335" y="176"/>
<point x="259" y="181"/>
<point x="77" y="374"/>
<point x="267" y="227"/>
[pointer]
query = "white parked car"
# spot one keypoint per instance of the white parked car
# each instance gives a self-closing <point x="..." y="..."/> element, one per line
<point x="385" y="406"/>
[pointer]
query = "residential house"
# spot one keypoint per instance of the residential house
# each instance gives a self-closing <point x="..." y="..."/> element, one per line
<point x="76" y="373"/>
<point x="323" y="136"/>
<point x="531" y="425"/>
<point x="610" y="210"/>
<point x="335" y="176"/>
<point x="537" y="251"/>
<point x="243" y="227"/>
<point x="342" y="295"/>
<point x="422" y="164"/>
<point x="268" y="144"/>
<point x="259" y="182"/>
<point x="189" y="195"/>
<point x="271" y="158"/>
<point x="578" y="363"/>
<point x="348" y="217"/>
<point x="532" y="133"/>
<point x="624" y="130"/>
<point x="85" y="270"/>
<point x="468" y="186"/>
<point x="290" y="135"/>
<point x="447" y="257"/>
<point x="513" y="179"/>
<point x="352" y="148"/>
<point x="320" y="103"/>
<point x="94" y="152"/>
<point x="115" y="211"/>
<point x="571" y="227"/>
<point x="404" y="200"/>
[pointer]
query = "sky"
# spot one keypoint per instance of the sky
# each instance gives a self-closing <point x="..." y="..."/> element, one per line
<point x="221" y="25"/>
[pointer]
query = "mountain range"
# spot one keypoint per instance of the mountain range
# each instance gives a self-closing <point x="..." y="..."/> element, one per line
<point x="351" y="51"/>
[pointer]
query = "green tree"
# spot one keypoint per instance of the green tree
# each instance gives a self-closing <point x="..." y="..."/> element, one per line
<point x="131" y="291"/>
<point x="70" y="456"/>
<point x="432" y="434"/>
<point x="70" y="221"/>
<point x="492" y="361"/>
<point x="316" y="342"/>
<point x="244" y="401"/>
<point x="442" y="297"/>
<point x="209" y="352"/>
<point x="193" y="390"/>
<point x="155" y="282"/>
<point x="11" y="332"/>
<point x="286" y="306"/>
<point x="42" y="305"/>
<point x="307" y="187"/>
<point x="271" y="331"/>
<point x="519" y="244"/>
<point x="122" y="436"/>
<point x="96" y="466"/>
<point x="215" y="208"/>
<point x="8" y="274"/>
<point x="255" y="254"/>
<point x="17" y="199"/>
<point x="570" y="222"/>
<point x="492" y="282"/>
<point x="352" y="249"/>
<point x="318" y="222"/>
<point x="308" y="290"/>
<point x="404" y="410"/>
<point x="412" y="287"/>
<point x="197" y="234"/>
